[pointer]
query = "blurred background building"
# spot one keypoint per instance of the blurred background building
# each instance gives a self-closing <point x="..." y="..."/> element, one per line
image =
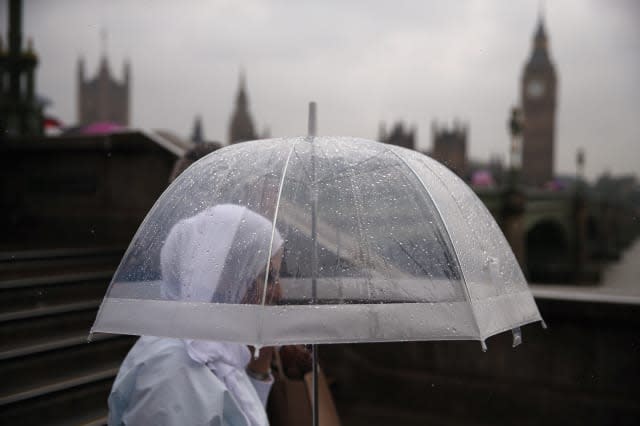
<point x="399" y="135"/>
<point x="103" y="98"/>
<point x="241" y="126"/>
<point x="450" y="147"/>
<point x="538" y="96"/>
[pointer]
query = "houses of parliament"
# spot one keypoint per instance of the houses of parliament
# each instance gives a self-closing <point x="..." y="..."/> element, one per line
<point x="105" y="98"/>
<point x="538" y="98"/>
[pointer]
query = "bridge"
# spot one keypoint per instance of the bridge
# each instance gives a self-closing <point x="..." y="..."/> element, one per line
<point x="562" y="236"/>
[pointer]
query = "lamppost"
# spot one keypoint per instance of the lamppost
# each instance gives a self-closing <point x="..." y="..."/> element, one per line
<point x="515" y="126"/>
<point x="513" y="198"/>
<point x="580" y="217"/>
<point x="580" y="158"/>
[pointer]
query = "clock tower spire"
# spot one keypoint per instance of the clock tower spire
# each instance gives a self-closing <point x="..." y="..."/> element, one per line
<point x="538" y="95"/>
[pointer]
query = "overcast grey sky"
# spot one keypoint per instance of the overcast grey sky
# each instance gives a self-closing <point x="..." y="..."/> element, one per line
<point x="362" y="61"/>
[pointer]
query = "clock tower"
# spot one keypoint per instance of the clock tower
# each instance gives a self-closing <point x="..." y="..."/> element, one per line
<point x="538" y="94"/>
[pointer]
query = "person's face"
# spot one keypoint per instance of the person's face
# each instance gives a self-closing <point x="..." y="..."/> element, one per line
<point x="273" y="288"/>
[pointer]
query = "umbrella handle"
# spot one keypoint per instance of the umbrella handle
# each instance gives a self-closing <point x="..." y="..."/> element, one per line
<point x="278" y="362"/>
<point x="316" y="411"/>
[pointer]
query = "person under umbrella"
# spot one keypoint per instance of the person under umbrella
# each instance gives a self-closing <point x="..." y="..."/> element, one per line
<point x="214" y="256"/>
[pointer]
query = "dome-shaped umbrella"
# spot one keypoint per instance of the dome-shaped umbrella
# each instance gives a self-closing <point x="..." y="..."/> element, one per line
<point x="373" y="243"/>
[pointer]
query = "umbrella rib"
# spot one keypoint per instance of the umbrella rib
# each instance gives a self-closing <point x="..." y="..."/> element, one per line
<point x="273" y="228"/>
<point x="455" y="252"/>
<point x="363" y="252"/>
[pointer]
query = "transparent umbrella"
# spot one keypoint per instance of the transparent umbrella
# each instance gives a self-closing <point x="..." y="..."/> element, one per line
<point x="373" y="243"/>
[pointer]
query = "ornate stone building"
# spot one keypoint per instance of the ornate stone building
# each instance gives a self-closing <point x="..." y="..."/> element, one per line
<point x="20" y="109"/>
<point x="103" y="98"/>
<point x="450" y="146"/>
<point x="398" y="136"/>
<point x="538" y="94"/>
<point x="241" y="126"/>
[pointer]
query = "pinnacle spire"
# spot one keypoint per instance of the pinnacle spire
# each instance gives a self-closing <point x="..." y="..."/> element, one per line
<point x="241" y="97"/>
<point x="242" y="79"/>
<point x="103" y="42"/>
<point x="241" y="128"/>
<point x="540" y="29"/>
<point x="104" y="62"/>
<point x="541" y="10"/>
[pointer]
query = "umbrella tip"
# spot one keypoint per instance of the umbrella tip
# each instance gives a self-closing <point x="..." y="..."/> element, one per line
<point x="312" y="119"/>
<point x="484" y="345"/>
<point x="517" y="336"/>
<point x="256" y="351"/>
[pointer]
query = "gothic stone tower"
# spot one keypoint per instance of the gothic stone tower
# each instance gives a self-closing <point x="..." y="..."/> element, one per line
<point x="398" y="136"/>
<point x="241" y="127"/>
<point x="103" y="98"/>
<point x="450" y="146"/>
<point x="538" y="94"/>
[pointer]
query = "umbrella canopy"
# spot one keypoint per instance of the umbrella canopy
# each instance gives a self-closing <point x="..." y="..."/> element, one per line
<point x="398" y="249"/>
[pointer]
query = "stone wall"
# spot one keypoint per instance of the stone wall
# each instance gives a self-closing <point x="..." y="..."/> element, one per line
<point x="583" y="370"/>
<point x="82" y="191"/>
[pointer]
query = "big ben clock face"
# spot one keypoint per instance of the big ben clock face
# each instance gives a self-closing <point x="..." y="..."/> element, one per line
<point x="535" y="88"/>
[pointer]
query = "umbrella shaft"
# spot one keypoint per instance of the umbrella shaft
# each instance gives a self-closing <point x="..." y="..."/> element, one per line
<point x="314" y="253"/>
<point x="314" y="250"/>
<point x="314" y="229"/>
